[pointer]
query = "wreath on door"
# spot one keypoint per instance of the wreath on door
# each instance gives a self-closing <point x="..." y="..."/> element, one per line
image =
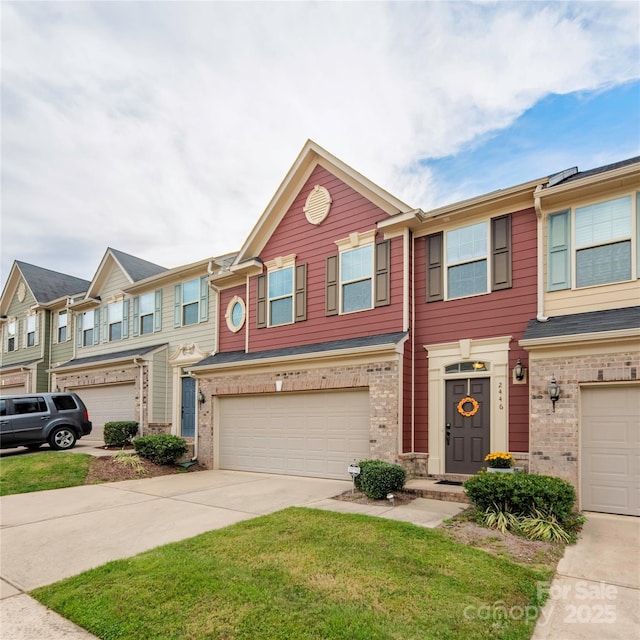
<point x="474" y="407"/>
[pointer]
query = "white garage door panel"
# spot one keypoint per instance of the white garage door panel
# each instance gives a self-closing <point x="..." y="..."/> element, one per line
<point x="610" y="450"/>
<point x="108" y="404"/>
<point x="307" y="434"/>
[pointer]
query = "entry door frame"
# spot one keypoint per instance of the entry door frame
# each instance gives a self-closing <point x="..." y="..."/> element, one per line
<point x="495" y="353"/>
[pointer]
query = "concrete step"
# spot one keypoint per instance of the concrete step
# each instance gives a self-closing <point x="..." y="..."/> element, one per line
<point x="428" y="488"/>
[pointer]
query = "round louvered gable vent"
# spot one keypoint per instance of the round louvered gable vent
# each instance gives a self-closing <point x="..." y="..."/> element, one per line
<point x="317" y="206"/>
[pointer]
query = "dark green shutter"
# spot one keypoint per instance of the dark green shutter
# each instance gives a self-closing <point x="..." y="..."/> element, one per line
<point x="136" y="316"/>
<point x="331" y="286"/>
<point x="177" y="306"/>
<point x="125" y="318"/>
<point x="501" y="253"/>
<point x="383" y="266"/>
<point x="301" y="292"/>
<point x="204" y="299"/>
<point x="261" y="305"/>
<point x="435" y="273"/>
<point x="157" y="316"/>
<point x="559" y="251"/>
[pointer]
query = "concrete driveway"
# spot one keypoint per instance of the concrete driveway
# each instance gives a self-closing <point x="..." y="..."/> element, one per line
<point x="51" y="535"/>
<point x="596" y="591"/>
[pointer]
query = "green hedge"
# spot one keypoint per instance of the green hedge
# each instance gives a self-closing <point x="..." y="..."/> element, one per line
<point x="119" y="434"/>
<point x="522" y="494"/>
<point x="161" y="448"/>
<point x="377" y="478"/>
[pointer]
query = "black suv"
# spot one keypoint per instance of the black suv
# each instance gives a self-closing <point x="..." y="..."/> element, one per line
<point x="30" y="420"/>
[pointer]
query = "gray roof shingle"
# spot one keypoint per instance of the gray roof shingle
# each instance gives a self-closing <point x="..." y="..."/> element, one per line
<point x="578" y="323"/>
<point x="137" y="268"/>
<point x="115" y="355"/>
<point x="307" y="349"/>
<point x="592" y="172"/>
<point x="48" y="285"/>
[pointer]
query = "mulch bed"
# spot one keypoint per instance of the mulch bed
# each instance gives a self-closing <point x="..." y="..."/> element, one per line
<point x="111" y="469"/>
<point x="399" y="497"/>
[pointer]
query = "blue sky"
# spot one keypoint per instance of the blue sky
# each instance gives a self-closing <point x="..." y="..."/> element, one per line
<point x="164" y="128"/>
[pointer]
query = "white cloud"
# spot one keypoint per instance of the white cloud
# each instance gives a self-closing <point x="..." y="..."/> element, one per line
<point x="163" y="129"/>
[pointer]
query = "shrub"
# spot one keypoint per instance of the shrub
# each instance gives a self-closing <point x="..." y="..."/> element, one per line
<point x="119" y="434"/>
<point x="357" y="481"/>
<point x="378" y="478"/>
<point x="540" y="507"/>
<point x="160" y="448"/>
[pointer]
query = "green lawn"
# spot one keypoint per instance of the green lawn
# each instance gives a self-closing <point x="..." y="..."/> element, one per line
<point x="304" y="574"/>
<point x="45" y="470"/>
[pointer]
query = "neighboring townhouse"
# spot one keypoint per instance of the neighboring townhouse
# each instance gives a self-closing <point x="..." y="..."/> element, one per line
<point x="134" y="332"/>
<point x="584" y="343"/>
<point x="313" y="319"/>
<point x="34" y="325"/>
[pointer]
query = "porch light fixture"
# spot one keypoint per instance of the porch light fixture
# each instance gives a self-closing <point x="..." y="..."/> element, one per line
<point x="554" y="391"/>
<point x="518" y="371"/>
<point x="201" y="398"/>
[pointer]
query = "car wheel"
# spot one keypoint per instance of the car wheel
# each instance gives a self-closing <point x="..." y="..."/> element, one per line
<point x="62" y="438"/>
<point x="34" y="447"/>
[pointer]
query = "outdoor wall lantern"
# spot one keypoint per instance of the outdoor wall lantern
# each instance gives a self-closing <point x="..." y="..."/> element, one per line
<point x="201" y="398"/>
<point x="518" y="371"/>
<point x="554" y="391"/>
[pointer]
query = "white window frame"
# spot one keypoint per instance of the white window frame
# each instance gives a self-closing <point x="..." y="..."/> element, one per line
<point x="88" y="327"/>
<point x="575" y="249"/>
<point x="196" y="302"/>
<point x="279" y="265"/>
<point x="228" y="316"/>
<point x="116" y="308"/>
<point x="31" y="330"/>
<point x="152" y="296"/>
<point x="355" y="242"/>
<point x="65" y="326"/>
<point x="11" y="335"/>
<point x="456" y="263"/>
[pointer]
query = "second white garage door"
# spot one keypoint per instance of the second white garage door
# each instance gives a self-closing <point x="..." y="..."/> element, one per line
<point x="305" y="434"/>
<point x="108" y="404"/>
<point x="610" y="462"/>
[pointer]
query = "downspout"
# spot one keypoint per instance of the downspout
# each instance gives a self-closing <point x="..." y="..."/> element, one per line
<point x="141" y="366"/>
<point x="540" y="316"/>
<point x="413" y="344"/>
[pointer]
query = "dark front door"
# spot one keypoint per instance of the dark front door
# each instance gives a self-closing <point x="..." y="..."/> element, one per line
<point x="188" y="422"/>
<point x="467" y="424"/>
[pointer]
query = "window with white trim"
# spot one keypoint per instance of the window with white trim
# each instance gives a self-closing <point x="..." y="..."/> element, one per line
<point x="191" y="302"/>
<point x="62" y="324"/>
<point x="87" y="319"/>
<point x="356" y="279"/>
<point x="30" y="331"/>
<point x="11" y="335"/>
<point x="280" y="295"/>
<point x="146" y="310"/>
<point x="466" y="259"/>
<point x="115" y="315"/>
<point x="593" y="244"/>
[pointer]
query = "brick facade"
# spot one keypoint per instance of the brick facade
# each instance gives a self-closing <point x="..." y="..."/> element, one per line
<point x="381" y="378"/>
<point x="555" y="436"/>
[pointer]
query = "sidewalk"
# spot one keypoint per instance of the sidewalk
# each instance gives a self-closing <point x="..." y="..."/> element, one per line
<point x="93" y="524"/>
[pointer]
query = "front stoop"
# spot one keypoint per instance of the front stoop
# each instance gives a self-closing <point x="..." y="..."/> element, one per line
<point x="427" y="488"/>
<point x="187" y="457"/>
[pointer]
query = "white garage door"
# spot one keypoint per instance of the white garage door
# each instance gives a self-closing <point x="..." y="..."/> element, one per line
<point x="305" y="434"/>
<point x="13" y="390"/>
<point x="108" y="404"/>
<point x="610" y="460"/>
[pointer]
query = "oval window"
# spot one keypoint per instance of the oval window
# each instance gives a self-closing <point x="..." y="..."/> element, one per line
<point x="235" y="315"/>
